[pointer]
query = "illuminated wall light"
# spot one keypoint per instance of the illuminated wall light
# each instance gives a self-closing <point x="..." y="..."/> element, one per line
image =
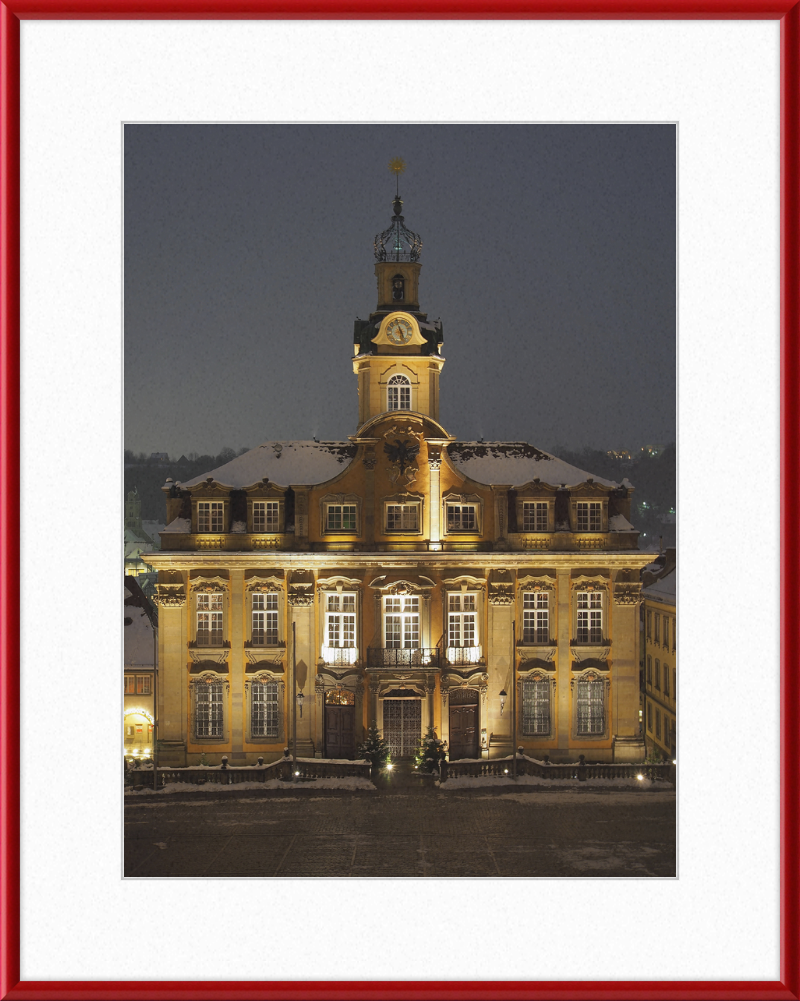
<point x="640" y="777"/>
<point x="297" y="773"/>
<point x="390" y="766"/>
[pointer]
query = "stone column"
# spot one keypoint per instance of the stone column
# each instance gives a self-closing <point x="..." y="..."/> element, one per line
<point x="500" y="667"/>
<point x="301" y="608"/>
<point x="173" y="639"/>
<point x="236" y="664"/>
<point x="628" y="744"/>
<point x="435" y="536"/>
<point x="563" y="598"/>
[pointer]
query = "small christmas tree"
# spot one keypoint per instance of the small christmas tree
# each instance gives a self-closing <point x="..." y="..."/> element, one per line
<point x="430" y="752"/>
<point x="374" y="749"/>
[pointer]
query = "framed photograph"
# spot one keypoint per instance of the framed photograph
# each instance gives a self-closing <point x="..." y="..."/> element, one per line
<point x="74" y="80"/>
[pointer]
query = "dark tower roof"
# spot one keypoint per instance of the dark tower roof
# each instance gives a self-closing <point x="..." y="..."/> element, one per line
<point x="397" y="243"/>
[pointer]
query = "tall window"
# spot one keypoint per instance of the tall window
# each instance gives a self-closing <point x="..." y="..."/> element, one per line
<point x="535" y="617"/>
<point x="590" y="516"/>
<point x="650" y="716"/>
<point x="264" y="709"/>
<point x="666" y="632"/>
<point x="143" y="684"/>
<point x="340" y="626"/>
<point x="535" y="708"/>
<point x="461" y="620"/>
<point x="130" y="684"/>
<point x="401" y="623"/>
<point x="462" y="518"/>
<point x="658" y="724"/>
<point x="649" y="624"/>
<point x="658" y="675"/>
<point x="341" y="518"/>
<point x="209" y="619"/>
<point x="208" y="709"/>
<point x="666" y="680"/>
<point x="399" y="393"/>
<point x="649" y="670"/>
<point x="402" y="517"/>
<point x="657" y="636"/>
<point x="265" y="516"/>
<point x="534" y="516"/>
<point x="209" y="516"/>
<point x="265" y="619"/>
<point x="590" y="617"/>
<point x="591" y="710"/>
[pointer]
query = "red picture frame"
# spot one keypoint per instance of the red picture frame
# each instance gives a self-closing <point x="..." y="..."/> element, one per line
<point x="788" y="987"/>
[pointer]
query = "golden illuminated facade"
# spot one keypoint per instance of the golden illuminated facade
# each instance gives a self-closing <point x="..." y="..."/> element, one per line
<point x="471" y="586"/>
<point x="660" y="657"/>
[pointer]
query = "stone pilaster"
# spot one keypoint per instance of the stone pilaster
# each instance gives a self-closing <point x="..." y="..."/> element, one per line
<point x="236" y="666"/>
<point x="500" y="663"/>
<point x="173" y="638"/>
<point x="564" y="658"/>
<point x="628" y="744"/>
<point x="435" y="502"/>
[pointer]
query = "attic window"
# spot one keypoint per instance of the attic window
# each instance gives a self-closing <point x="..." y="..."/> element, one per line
<point x="590" y="517"/>
<point x="210" y="516"/>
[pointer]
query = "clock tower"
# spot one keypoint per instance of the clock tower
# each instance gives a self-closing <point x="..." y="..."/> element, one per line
<point x="397" y="351"/>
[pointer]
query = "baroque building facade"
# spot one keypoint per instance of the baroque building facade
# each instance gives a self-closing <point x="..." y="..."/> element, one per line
<point x="487" y="589"/>
<point x="660" y="681"/>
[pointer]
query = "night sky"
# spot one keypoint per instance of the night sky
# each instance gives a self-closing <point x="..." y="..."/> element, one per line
<point x="548" y="252"/>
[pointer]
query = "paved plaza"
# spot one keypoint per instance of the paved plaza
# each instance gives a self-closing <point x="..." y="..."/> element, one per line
<point x="403" y="830"/>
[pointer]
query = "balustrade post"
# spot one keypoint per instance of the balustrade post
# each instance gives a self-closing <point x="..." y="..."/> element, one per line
<point x="581" y="768"/>
<point x="443" y="767"/>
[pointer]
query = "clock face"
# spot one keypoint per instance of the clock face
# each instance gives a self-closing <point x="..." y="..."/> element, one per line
<point x="399" y="331"/>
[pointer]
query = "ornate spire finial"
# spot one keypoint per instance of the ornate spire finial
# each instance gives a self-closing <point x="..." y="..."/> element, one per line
<point x="405" y="245"/>
<point x="397" y="165"/>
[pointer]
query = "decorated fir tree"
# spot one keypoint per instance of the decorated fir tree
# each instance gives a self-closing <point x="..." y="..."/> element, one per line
<point x="374" y="749"/>
<point x="430" y="752"/>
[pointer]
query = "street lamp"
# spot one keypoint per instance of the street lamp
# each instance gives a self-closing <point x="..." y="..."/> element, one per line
<point x="300" y="700"/>
<point x="503" y="697"/>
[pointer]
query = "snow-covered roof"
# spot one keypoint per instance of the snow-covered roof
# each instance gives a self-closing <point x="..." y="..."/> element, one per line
<point x="663" y="589"/>
<point x="137" y="633"/>
<point x="619" y="523"/>
<point x="516" y="462"/>
<point x="282" y="462"/>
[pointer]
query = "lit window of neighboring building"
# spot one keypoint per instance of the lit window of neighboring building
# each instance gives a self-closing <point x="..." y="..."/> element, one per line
<point x="534" y="516"/>
<point x="461" y="518"/>
<point x="399" y="393"/>
<point x="341" y="518"/>
<point x="265" y="516"/>
<point x="130" y="684"/>
<point x="535" y="617"/>
<point x="658" y="675"/>
<point x="208" y="709"/>
<point x="590" y="517"/>
<point x="402" y="517"/>
<point x="401" y="623"/>
<point x="590" y="617"/>
<point x="209" y="619"/>
<point x="264" y="709"/>
<point x="210" y="516"/>
<point x="143" y="684"/>
<point x="535" y="708"/>
<point x="265" y="619"/>
<point x="591" y="707"/>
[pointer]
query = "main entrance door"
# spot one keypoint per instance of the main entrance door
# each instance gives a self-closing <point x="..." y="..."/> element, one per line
<point x="340" y="725"/>
<point x="402" y="725"/>
<point x="463" y="741"/>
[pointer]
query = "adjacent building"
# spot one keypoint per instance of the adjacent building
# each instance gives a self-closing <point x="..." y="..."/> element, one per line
<point x="404" y="576"/>
<point x="659" y="615"/>
<point x="140" y="632"/>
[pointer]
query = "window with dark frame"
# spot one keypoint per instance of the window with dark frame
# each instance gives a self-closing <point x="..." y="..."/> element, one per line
<point x="402" y="517"/>
<point x="535" y="617"/>
<point x="591" y="708"/>
<point x="208" y="709"/>
<point x="590" y="516"/>
<point x="534" y="516"/>
<point x="264" y="717"/>
<point x="398" y="393"/>
<point x="341" y="518"/>
<point x="265" y="516"/>
<point x="462" y="518"/>
<point x="535" y="707"/>
<point x="210" y="516"/>
<point x="590" y="617"/>
<point x="209" y="619"/>
<point x="265" y="619"/>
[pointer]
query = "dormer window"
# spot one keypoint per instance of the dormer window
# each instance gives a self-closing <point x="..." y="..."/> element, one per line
<point x="589" y="516"/>
<point x="399" y="393"/>
<point x="265" y="516"/>
<point x="398" y="288"/>
<point x="210" y="516"/>
<point x="341" y="518"/>
<point x="534" y="516"/>
<point x="462" y="518"/>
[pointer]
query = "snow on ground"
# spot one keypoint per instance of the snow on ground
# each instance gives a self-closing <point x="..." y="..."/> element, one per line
<point x="492" y="781"/>
<point x="346" y="782"/>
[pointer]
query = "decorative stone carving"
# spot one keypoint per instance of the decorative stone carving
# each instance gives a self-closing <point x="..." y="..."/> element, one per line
<point x="209" y="657"/>
<point x="588" y="652"/>
<point x="539" y="582"/>
<point x="434" y="462"/>
<point x="583" y="583"/>
<point x="272" y="655"/>
<point x="300" y="599"/>
<point x="209" y="585"/>
<point x="627" y="594"/>
<point x="370" y="461"/>
<point x="170" y="595"/>
<point x="501" y="594"/>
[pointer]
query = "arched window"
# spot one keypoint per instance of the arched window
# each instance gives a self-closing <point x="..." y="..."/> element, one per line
<point x="399" y="393"/>
<point x="398" y="288"/>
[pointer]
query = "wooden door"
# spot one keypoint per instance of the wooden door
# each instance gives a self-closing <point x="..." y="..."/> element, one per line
<point x="463" y="742"/>
<point x="340" y="726"/>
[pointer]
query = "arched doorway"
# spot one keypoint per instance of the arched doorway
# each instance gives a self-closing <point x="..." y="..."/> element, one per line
<point x="463" y="741"/>
<point x="340" y="724"/>
<point x="138" y="734"/>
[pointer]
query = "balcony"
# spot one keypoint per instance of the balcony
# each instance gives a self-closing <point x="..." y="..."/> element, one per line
<point x="464" y="655"/>
<point x="392" y="657"/>
<point x="337" y="655"/>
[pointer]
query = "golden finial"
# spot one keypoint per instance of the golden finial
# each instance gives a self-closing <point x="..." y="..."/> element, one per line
<point x="397" y="165"/>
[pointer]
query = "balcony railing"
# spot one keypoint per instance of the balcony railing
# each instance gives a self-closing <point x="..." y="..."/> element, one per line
<point x="339" y="655"/>
<point x="393" y="657"/>
<point x="464" y="654"/>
